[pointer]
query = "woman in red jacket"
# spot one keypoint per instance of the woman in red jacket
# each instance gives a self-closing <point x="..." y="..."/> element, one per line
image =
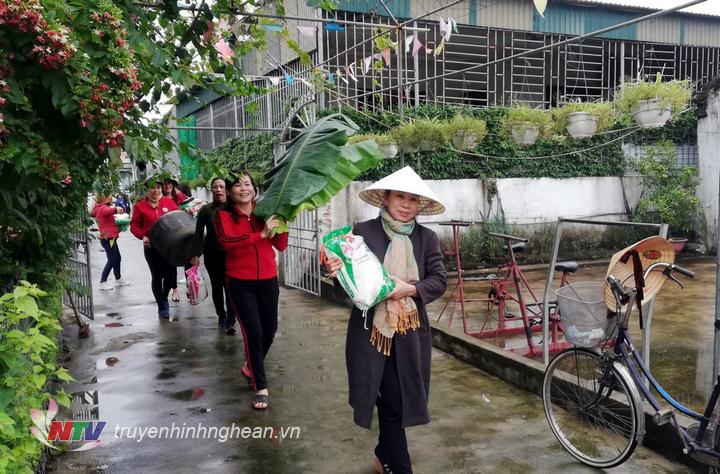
<point x="105" y="212"/>
<point x="146" y="212"/>
<point x="170" y="190"/>
<point x="251" y="280"/>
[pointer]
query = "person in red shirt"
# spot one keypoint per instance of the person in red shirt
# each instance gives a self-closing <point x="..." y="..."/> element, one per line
<point x="105" y="212"/>
<point x="251" y="280"/>
<point x="146" y="212"/>
<point x="170" y="190"/>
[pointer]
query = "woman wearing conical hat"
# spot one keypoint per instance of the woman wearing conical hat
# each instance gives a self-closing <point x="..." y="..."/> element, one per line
<point x="389" y="362"/>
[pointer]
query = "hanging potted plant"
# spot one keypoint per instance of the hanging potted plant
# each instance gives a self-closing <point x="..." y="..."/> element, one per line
<point x="525" y="125"/>
<point x="652" y="104"/>
<point x="430" y="134"/>
<point x="583" y="119"/>
<point x="387" y="145"/>
<point x="669" y="194"/>
<point x="405" y="136"/>
<point x="465" y="132"/>
<point x="420" y="135"/>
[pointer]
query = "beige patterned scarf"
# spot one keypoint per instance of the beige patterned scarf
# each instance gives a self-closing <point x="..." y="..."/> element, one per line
<point x="393" y="316"/>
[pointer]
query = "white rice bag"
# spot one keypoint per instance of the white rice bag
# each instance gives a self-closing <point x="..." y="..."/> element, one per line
<point x="362" y="276"/>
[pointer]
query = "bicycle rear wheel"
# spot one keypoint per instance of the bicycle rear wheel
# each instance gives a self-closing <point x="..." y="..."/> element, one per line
<point x="592" y="407"/>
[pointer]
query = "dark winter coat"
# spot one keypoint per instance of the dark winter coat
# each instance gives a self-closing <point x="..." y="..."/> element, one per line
<point x="365" y="364"/>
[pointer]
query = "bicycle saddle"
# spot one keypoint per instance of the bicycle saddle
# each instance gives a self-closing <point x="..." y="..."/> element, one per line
<point x="567" y="267"/>
<point x="519" y="247"/>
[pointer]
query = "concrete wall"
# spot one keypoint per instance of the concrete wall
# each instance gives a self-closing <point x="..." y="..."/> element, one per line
<point x="709" y="166"/>
<point x="522" y="201"/>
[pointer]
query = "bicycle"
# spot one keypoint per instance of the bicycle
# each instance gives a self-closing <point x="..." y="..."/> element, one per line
<point x="592" y="399"/>
<point x="510" y="275"/>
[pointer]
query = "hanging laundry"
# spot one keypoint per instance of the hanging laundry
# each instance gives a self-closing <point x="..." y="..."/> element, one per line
<point x="308" y="31"/>
<point x="274" y="80"/>
<point x="289" y="79"/>
<point x="272" y="27"/>
<point x="331" y="78"/>
<point x="340" y="75"/>
<point x="334" y="27"/>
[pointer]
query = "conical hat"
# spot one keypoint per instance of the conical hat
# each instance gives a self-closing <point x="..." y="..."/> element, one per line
<point x="651" y="250"/>
<point x="407" y="181"/>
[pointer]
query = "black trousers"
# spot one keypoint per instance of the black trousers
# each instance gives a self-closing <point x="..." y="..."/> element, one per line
<point x="162" y="274"/>
<point x="255" y="302"/>
<point x="112" y="251"/>
<point x="392" y="446"/>
<point x="215" y="264"/>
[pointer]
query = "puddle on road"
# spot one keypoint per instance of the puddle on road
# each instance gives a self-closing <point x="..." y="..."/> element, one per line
<point x="186" y="395"/>
<point x="681" y="342"/>
<point x="123" y="342"/>
<point x="166" y="373"/>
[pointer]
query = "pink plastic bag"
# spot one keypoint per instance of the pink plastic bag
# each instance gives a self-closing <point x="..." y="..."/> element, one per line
<point x="197" y="289"/>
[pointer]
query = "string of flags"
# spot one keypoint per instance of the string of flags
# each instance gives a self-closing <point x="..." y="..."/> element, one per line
<point x="412" y="44"/>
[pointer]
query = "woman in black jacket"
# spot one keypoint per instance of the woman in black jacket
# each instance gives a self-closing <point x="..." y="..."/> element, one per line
<point x="389" y="362"/>
<point x="206" y="243"/>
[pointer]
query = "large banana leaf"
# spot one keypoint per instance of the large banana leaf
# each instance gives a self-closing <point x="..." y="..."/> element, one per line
<point x="315" y="167"/>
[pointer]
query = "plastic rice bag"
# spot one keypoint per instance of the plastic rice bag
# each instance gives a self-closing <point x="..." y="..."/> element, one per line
<point x="362" y="276"/>
<point x="197" y="289"/>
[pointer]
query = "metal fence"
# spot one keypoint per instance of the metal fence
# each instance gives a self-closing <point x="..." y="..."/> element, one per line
<point x="590" y="70"/>
<point x="80" y="277"/>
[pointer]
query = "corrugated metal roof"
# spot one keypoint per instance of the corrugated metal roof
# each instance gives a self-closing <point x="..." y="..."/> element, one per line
<point x="637" y="7"/>
<point x="577" y="20"/>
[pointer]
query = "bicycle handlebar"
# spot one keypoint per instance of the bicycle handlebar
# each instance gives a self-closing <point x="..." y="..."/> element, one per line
<point x="682" y="271"/>
<point x="508" y="237"/>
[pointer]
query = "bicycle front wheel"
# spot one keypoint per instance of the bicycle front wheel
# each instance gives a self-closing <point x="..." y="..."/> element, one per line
<point x="592" y="407"/>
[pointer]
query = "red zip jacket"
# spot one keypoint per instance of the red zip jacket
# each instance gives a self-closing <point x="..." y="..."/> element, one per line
<point x="247" y="255"/>
<point x="105" y="216"/>
<point x="144" y="216"/>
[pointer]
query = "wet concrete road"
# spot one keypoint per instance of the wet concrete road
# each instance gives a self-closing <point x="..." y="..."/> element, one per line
<point x="155" y="373"/>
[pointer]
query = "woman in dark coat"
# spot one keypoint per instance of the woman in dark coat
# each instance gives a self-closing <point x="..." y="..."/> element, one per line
<point x="388" y="356"/>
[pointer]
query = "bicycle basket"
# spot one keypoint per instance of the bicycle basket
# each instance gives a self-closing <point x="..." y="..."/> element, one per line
<point x="584" y="315"/>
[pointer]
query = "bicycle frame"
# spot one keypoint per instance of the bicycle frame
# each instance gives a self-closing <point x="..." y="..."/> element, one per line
<point x="512" y="275"/>
<point x="625" y="349"/>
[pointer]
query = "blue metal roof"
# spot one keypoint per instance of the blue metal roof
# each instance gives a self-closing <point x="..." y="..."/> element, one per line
<point x="399" y="8"/>
<point x="578" y="20"/>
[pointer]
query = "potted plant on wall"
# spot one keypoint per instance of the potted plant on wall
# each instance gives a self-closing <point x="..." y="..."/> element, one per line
<point x="420" y="135"/>
<point x="388" y="145"/>
<point x="525" y="125"/>
<point x="652" y="103"/>
<point x="669" y="194"/>
<point x="583" y="119"/>
<point x="465" y="132"/>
